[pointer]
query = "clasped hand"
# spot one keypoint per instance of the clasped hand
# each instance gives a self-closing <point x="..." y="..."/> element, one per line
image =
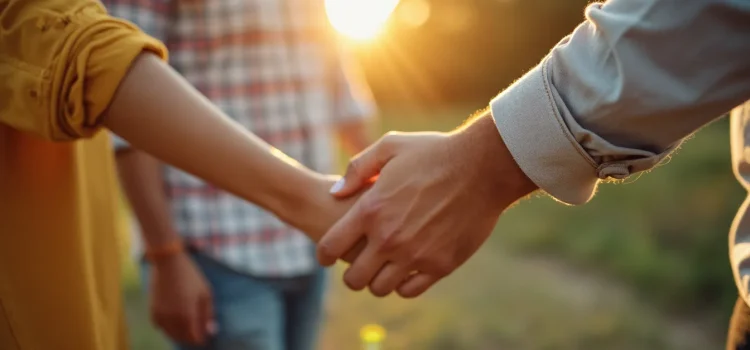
<point x="436" y="199"/>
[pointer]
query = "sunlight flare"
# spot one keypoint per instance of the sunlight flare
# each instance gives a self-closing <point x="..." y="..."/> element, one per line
<point x="359" y="19"/>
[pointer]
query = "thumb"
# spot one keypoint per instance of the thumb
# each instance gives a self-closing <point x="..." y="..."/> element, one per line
<point x="365" y="166"/>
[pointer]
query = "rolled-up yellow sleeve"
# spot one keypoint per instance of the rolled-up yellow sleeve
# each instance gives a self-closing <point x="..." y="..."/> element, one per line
<point x="61" y="62"/>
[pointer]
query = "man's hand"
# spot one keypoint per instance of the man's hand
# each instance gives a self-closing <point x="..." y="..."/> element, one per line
<point x="181" y="303"/>
<point x="320" y="211"/>
<point x="436" y="199"/>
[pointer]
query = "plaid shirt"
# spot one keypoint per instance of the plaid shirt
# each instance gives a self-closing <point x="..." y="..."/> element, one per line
<point x="273" y="66"/>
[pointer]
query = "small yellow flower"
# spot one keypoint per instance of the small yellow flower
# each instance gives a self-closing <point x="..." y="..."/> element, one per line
<point x="372" y="334"/>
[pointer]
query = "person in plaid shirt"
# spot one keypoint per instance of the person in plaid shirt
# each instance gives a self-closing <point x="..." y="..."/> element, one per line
<point x="248" y="281"/>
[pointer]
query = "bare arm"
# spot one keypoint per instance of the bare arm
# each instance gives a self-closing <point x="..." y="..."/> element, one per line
<point x="158" y="112"/>
<point x="140" y="175"/>
<point x="180" y="300"/>
<point x="73" y="81"/>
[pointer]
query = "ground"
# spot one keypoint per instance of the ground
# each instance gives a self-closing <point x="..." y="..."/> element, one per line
<point x="498" y="300"/>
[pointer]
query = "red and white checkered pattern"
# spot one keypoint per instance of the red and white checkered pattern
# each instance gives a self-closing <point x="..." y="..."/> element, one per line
<point x="275" y="67"/>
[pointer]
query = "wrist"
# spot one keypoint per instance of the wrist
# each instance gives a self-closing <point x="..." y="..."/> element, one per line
<point x="282" y="190"/>
<point x="299" y="198"/>
<point x="493" y="171"/>
<point x="157" y="254"/>
<point x="317" y="210"/>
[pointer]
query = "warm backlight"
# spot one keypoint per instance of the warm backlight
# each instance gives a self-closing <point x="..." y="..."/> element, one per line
<point x="359" y="19"/>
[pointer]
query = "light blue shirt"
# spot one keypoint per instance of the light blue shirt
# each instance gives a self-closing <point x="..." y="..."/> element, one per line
<point x="624" y="89"/>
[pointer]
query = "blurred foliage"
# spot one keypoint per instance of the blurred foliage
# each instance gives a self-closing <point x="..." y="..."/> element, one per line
<point x="665" y="234"/>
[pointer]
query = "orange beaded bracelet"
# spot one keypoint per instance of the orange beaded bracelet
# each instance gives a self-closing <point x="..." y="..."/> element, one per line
<point x="153" y="254"/>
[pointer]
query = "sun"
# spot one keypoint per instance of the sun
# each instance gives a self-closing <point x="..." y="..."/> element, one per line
<point x="359" y="19"/>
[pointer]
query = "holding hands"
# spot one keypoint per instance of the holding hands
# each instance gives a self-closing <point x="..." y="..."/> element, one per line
<point x="436" y="199"/>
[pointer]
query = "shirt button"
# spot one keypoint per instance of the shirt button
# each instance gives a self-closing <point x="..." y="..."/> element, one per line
<point x="62" y="22"/>
<point x="33" y="93"/>
<point x="41" y="23"/>
<point x="613" y="170"/>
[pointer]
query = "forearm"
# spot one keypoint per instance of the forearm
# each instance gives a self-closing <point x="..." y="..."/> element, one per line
<point x="96" y="72"/>
<point x="156" y="111"/>
<point x="141" y="178"/>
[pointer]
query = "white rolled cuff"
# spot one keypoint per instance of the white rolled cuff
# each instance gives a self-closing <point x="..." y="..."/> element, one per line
<point x="540" y="142"/>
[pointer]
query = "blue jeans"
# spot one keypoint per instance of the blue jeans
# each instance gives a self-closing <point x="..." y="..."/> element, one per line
<point x="739" y="327"/>
<point x="261" y="313"/>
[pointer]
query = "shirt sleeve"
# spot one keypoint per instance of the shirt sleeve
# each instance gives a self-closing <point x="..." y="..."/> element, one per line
<point x="624" y="89"/>
<point x="353" y="98"/>
<point x="62" y="63"/>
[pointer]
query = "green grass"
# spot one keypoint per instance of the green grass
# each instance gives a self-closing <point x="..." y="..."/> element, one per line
<point x="641" y="267"/>
<point x="663" y="233"/>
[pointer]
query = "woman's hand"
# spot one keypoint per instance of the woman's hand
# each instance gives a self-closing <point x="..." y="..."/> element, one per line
<point x="321" y="210"/>
<point x="157" y="111"/>
<point x="180" y="300"/>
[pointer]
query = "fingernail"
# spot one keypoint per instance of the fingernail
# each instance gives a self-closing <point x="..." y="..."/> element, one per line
<point x="338" y="185"/>
<point x="212" y="328"/>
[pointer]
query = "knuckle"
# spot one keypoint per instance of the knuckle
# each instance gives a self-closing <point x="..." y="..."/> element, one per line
<point x="388" y="137"/>
<point x="371" y="206"/>
<point x="379" y="291"/>
<point x="353" y="166"/>
<point x="412" y="260"/>
<point x="406" y="294"/>
<point x="390" y="141"/>
<point x="420" y="260"/>
<point x="392" y="136"/>
<point x="391" y="240"/>
<point x="443" y="267"/>
<point x="325" y="249"/>
<point x="410" y="255"/>
<point x="433" y="264"/>
<point x="353" y="282"/>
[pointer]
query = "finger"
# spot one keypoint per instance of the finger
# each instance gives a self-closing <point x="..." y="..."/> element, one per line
<point x="352" y="254"/>
<point x="364" y="167"/>
<point x="389" y="277"/>
<point x="207" y="319"/>
<point x="364" y="269"/>
<point x="416" y="284"/>
<point x="177" y="329"/>
<point x="193" y="329"/>
<point x="341" y="237"/>
<point x="165" y="325"/>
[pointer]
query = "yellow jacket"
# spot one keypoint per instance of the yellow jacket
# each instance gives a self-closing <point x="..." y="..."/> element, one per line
<point x="60" y="64"/>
